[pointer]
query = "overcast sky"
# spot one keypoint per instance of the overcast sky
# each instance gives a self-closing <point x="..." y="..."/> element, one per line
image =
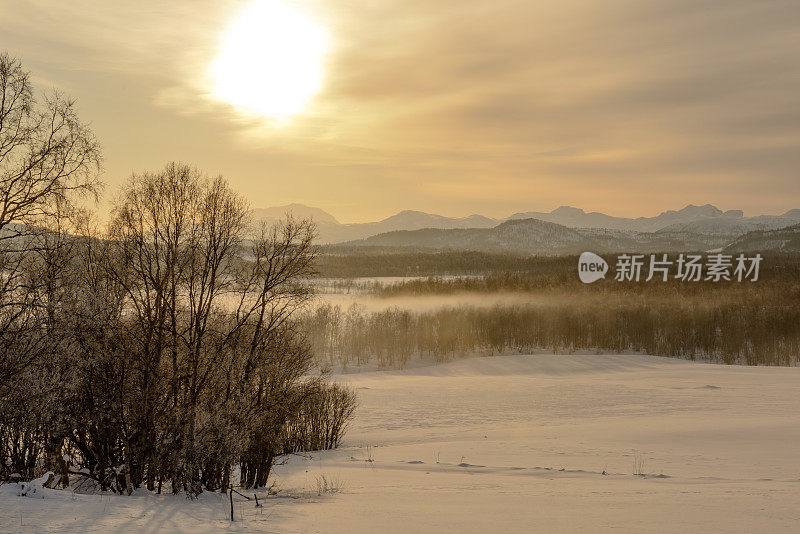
<point x="630" y="107"/>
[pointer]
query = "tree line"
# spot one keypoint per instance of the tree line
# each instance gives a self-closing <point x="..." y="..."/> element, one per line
<point x="753" y="332"/>
<point x="341" y="261"/>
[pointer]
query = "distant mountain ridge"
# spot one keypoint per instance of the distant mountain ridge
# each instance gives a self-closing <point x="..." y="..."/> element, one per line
<point x="577" y="218"/>
<point x="332" y="231"/>
<point x="297" y="210"/>
<point x="525" y="235"/>
<point x="533" y="236"/>
<point x="717" y="226"/>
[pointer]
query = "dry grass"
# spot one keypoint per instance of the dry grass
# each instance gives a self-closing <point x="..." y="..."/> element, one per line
<point x="328" y="484"/>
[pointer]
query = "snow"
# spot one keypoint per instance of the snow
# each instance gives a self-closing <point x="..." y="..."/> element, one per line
<point x="511" y="444"/>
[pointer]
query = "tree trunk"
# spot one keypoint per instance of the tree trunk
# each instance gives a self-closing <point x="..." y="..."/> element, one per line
<point x="54" y="461"/>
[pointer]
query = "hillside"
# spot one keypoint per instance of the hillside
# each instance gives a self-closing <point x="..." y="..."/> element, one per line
<point x="532" y="236"/>
<point x="781" y="240"/>
<point x="523" y="236"/>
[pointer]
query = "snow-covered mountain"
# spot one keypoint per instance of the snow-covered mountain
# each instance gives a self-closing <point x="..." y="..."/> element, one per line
<point x="526" y="235"/>
<point x="780" y="240"/>
<point x="732" y="226"/>
<point x="532" y="236"/>
<point x="577" y="218"/>
<point x="331" y="231"/>
<point x="415" y="220"/>
<point x="706" y="221"/>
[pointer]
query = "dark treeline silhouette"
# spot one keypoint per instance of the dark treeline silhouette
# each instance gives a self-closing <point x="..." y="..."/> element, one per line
<point x="337" y="261"/>
<point x="779" y="278"/>
<point x="162" y="352"/>
<point x="491" y="272"/>
<point x="752" y="333"/>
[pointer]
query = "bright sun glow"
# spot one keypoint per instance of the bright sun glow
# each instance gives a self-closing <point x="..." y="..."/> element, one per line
<point x="270" y="63"/>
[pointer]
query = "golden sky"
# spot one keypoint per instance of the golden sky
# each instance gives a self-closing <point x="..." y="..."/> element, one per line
<point x="453" y="107"/>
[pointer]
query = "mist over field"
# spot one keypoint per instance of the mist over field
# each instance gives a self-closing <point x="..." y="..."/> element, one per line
<point x="319" y="266"/>
<point x="423" y="303"/>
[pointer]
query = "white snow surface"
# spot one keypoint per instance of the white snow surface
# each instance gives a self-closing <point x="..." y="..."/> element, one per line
<point x="510" y="444"/>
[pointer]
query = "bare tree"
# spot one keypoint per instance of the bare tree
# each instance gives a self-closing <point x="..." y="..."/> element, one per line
<point x="48" y="159"/>
<point x="218" y="363"/>
<point x="46" y="153"/>
<point x="166" y="352"/>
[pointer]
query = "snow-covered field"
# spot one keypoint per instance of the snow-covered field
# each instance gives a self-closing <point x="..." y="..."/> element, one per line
<point x="512" y="444"/>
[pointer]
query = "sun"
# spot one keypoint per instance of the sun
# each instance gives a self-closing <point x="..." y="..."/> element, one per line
<point x="270" y="63"/>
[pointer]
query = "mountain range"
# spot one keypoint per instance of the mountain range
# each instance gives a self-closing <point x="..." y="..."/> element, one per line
<point x="532" y="236"/>
<point x="332" y="231"/>
<point x="565" y="229"/>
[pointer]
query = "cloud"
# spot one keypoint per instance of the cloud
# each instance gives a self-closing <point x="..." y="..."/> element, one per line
<point x="545" y="102"/>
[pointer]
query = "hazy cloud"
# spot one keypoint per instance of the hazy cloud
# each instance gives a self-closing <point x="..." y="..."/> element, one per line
<point x="458" y="107"/>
